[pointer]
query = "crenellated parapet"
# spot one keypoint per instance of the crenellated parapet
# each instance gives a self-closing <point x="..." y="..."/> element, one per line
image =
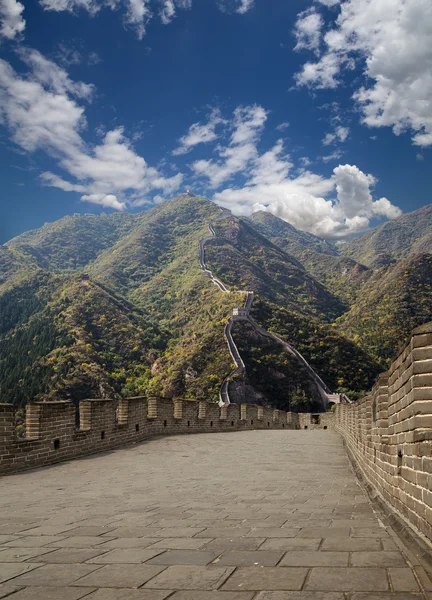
<point x="56" y="432"/>
<point x="389" y="432"/>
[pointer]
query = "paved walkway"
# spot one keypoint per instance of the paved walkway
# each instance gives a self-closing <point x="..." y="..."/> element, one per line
<point x="262" y="515"/>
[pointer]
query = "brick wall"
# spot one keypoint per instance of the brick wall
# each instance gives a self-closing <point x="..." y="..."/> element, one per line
<point x="316" y="421"/>
<point x="389" y="432"/>
<point x="52" y="435"/>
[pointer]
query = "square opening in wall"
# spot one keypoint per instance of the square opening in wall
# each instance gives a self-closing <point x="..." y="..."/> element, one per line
<point x="56" y="444"/>
<point x="102" y="435"/>
<point x="137" y="427"/>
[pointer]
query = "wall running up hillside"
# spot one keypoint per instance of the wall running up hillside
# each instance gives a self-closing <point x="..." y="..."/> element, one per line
<point x="52" y="435"/>
<point x="389" y="432"/>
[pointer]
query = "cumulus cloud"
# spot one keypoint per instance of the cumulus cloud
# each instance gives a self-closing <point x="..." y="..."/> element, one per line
<point x="390" y="42"/>
<point x="41" y="113"/>
<point x="329" y="2"/>
<point x="303" y="200"/>
<point x="247" y="125"/>
<point x="200" y="133"/>
<point x="334" y="207"/>
<point x="307" y="30"/>
<point x="12" y="23"/>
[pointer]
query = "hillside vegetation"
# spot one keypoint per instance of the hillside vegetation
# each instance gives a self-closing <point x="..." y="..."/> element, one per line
<point x="117" y="305"/>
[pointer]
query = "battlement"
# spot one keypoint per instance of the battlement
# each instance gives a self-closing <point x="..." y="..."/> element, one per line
<point x="389" y="432"/>
<point x="52" y="434"/>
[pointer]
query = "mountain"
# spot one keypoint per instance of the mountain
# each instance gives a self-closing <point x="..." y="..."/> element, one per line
<point x="400" y="238"/>
<point x="117" y="305"/>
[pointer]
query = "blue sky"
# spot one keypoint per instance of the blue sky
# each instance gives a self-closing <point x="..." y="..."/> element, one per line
<point x="307" y="109"/>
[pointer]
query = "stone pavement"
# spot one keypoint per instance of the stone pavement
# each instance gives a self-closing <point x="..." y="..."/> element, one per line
<point x="262" y="515"/>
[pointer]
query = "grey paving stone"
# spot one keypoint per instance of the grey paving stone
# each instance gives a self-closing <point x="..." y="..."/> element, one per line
<point x="190" y="578"/>
<point x="16" y="555"/>
<point x="324" y="532"/>
<point x="79" y="542"/>
<point x="315" y="559"/>
<point x="183" y="557"/>
<point x="10" y="571"/>
<point x="69" y="555"/>
<point x="127" y="543"/>
<point x="54" y="575"/>
<point x="266" y="578"/>
<point x="392" y="596"/>
<point x="7" y="590"/>
<point x="225" y="532"/>
<point x="274" y="532"/>
<point x="92" y="531"/>
<point x="213" y="596"/>
<point x="179" y="532"/>
<point x="120" y="576"/>
<point x="125" y="594"/>
<point x="125" y="556"/>
<point x="52" y="593"/>
<point x="34" y="541"/>
<point x="49" y="530"/>
<point x="181" y="543"/>
<point x="7" y="538"/>
<point x="351" y="545"/>
<point x="290" y="544"/>
<point x="337" y="579"/>
<point x="403" y="580"/>
<point x="376" y="559"/>
<point x="135" y="532"/>
<point x="224" y="544"/>
<point x="373" y="532"/>
<point x="300" y="596"/>
<point x="239" y="558"/>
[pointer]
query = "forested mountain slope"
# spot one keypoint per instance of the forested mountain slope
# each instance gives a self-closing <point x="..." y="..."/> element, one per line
<point x="117" y="305"/>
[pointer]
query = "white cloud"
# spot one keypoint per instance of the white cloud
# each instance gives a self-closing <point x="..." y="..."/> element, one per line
<point x="334" y="207"/>
<point x="329" y="2"/>
<point x="41" y="115"/>
<point x="137" y="13"/>
<point x="137" y="16"/>
<point x="307" y="30"/>
<point x="53" y="77"/>
<point x="340" y="135"/>
<point x="235" y="6"/>
<point x="12" y="23"/>
<point x="302" y="201"/>
<point x="169" y="8"/>
<point x="200" y="134"/>
<point x="282" y="126"/>
<point x="333" y="156"/>
<point x="390" y="41"/>
<point x="248" y="123"/>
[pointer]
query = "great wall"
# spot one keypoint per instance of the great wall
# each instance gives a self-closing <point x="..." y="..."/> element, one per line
<point x="388" y="434"/>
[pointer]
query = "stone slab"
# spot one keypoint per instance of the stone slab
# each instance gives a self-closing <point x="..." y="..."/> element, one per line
<point x="351" y="545"/>
<point x="127" y="543"/>
<point x="17" y="555"/>
<point x="52" y="593"/>
<point x="337" y="579"/>
<point x="220" y="545"/>
<point x="190" y="578"/>
<point x="239" y="558"/>
<point x="181" y="543"/>
<point x="403" y="580"/>
<point x="213" y="596"/>
<point x="300" y="596"/>
<point x="125" y="556"/>
<point x="183" y="557"/>
<point x="10" y="571"/>
<point x="315" y="559"/>
<point x="120" y="576"/>
<point x="55" y="575"/>
<point x="127" y="594"/>
<point x="291" y="544"/>
<point x="266" y="578"/>
<point x="377" y="559"/>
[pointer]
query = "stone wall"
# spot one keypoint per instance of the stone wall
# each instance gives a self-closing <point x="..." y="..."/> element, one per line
<point x="52" y="435"/>
<point x="389" y="432"/>
<point x="316" y="420"/>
